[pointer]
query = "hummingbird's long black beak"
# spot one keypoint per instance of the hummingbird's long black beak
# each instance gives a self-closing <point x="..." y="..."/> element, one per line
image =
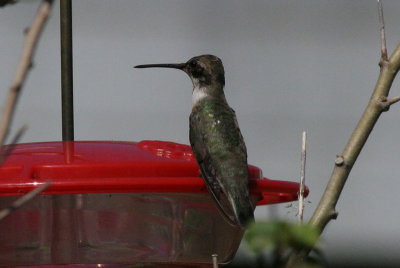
<point x="179" y="66"/>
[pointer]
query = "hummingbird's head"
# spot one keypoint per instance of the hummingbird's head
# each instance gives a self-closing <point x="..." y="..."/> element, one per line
<point x="204" y="70"/>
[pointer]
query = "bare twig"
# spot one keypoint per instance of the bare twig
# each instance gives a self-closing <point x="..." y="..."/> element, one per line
<point x="386" y="103"/>
<point x="326" y="209"/>
<point x="23" y="67"/>
<point x="23" y="199"/>
<point x="382" y="30"/>
<point x="10" y="147"/>
<point x="302" y="176"/>
<point x="393" y="100"/>
<point x="19" y="134"/>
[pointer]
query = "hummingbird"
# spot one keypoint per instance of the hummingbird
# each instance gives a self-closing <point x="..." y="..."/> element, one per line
<point x="215" y="138"/>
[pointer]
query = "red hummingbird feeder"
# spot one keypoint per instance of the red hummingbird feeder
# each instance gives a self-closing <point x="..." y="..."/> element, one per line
<point x="115" y="203"/>
<point x="118" y="203"/>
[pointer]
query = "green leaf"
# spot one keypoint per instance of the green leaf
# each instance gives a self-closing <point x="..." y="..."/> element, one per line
<point x="270" y="234"/>
<point x="302" y="236"/>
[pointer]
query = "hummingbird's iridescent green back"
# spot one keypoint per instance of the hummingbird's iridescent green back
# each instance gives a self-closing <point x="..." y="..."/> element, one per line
<point x="221" y="154"/>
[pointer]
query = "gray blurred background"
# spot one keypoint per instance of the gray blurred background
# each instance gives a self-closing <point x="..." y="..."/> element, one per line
<point x="290" y="66"/>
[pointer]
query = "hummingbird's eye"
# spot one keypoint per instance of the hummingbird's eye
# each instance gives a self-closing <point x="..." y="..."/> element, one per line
<point x="193" y="64"/>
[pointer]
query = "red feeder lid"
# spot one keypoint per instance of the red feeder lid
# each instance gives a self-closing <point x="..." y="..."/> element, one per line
<point x="117" y="167"/>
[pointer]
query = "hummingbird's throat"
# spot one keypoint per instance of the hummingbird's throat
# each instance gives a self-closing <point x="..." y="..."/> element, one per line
<point x="198" y="94"/>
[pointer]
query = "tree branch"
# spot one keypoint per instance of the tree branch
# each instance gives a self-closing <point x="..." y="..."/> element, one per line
<point x="24" y="64"/>
<point x="378" y="103"/>
<point x="11" y="146"/>
<point x="345" y="162"/>
<point x="23" y="199"/>
<point x="326" y="208"/>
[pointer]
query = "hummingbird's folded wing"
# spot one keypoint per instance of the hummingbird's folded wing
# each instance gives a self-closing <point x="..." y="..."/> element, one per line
<point x="200" y="125"/>
<point x="208" y="174"/>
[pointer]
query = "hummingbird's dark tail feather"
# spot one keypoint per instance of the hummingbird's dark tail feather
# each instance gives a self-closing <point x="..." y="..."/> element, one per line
<point x="242" y="206"/>
<point x="246" y="214"/>
<point x="236" y="214"/>
<point x="241" y="203"/>
<point x="223" y="206"/>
